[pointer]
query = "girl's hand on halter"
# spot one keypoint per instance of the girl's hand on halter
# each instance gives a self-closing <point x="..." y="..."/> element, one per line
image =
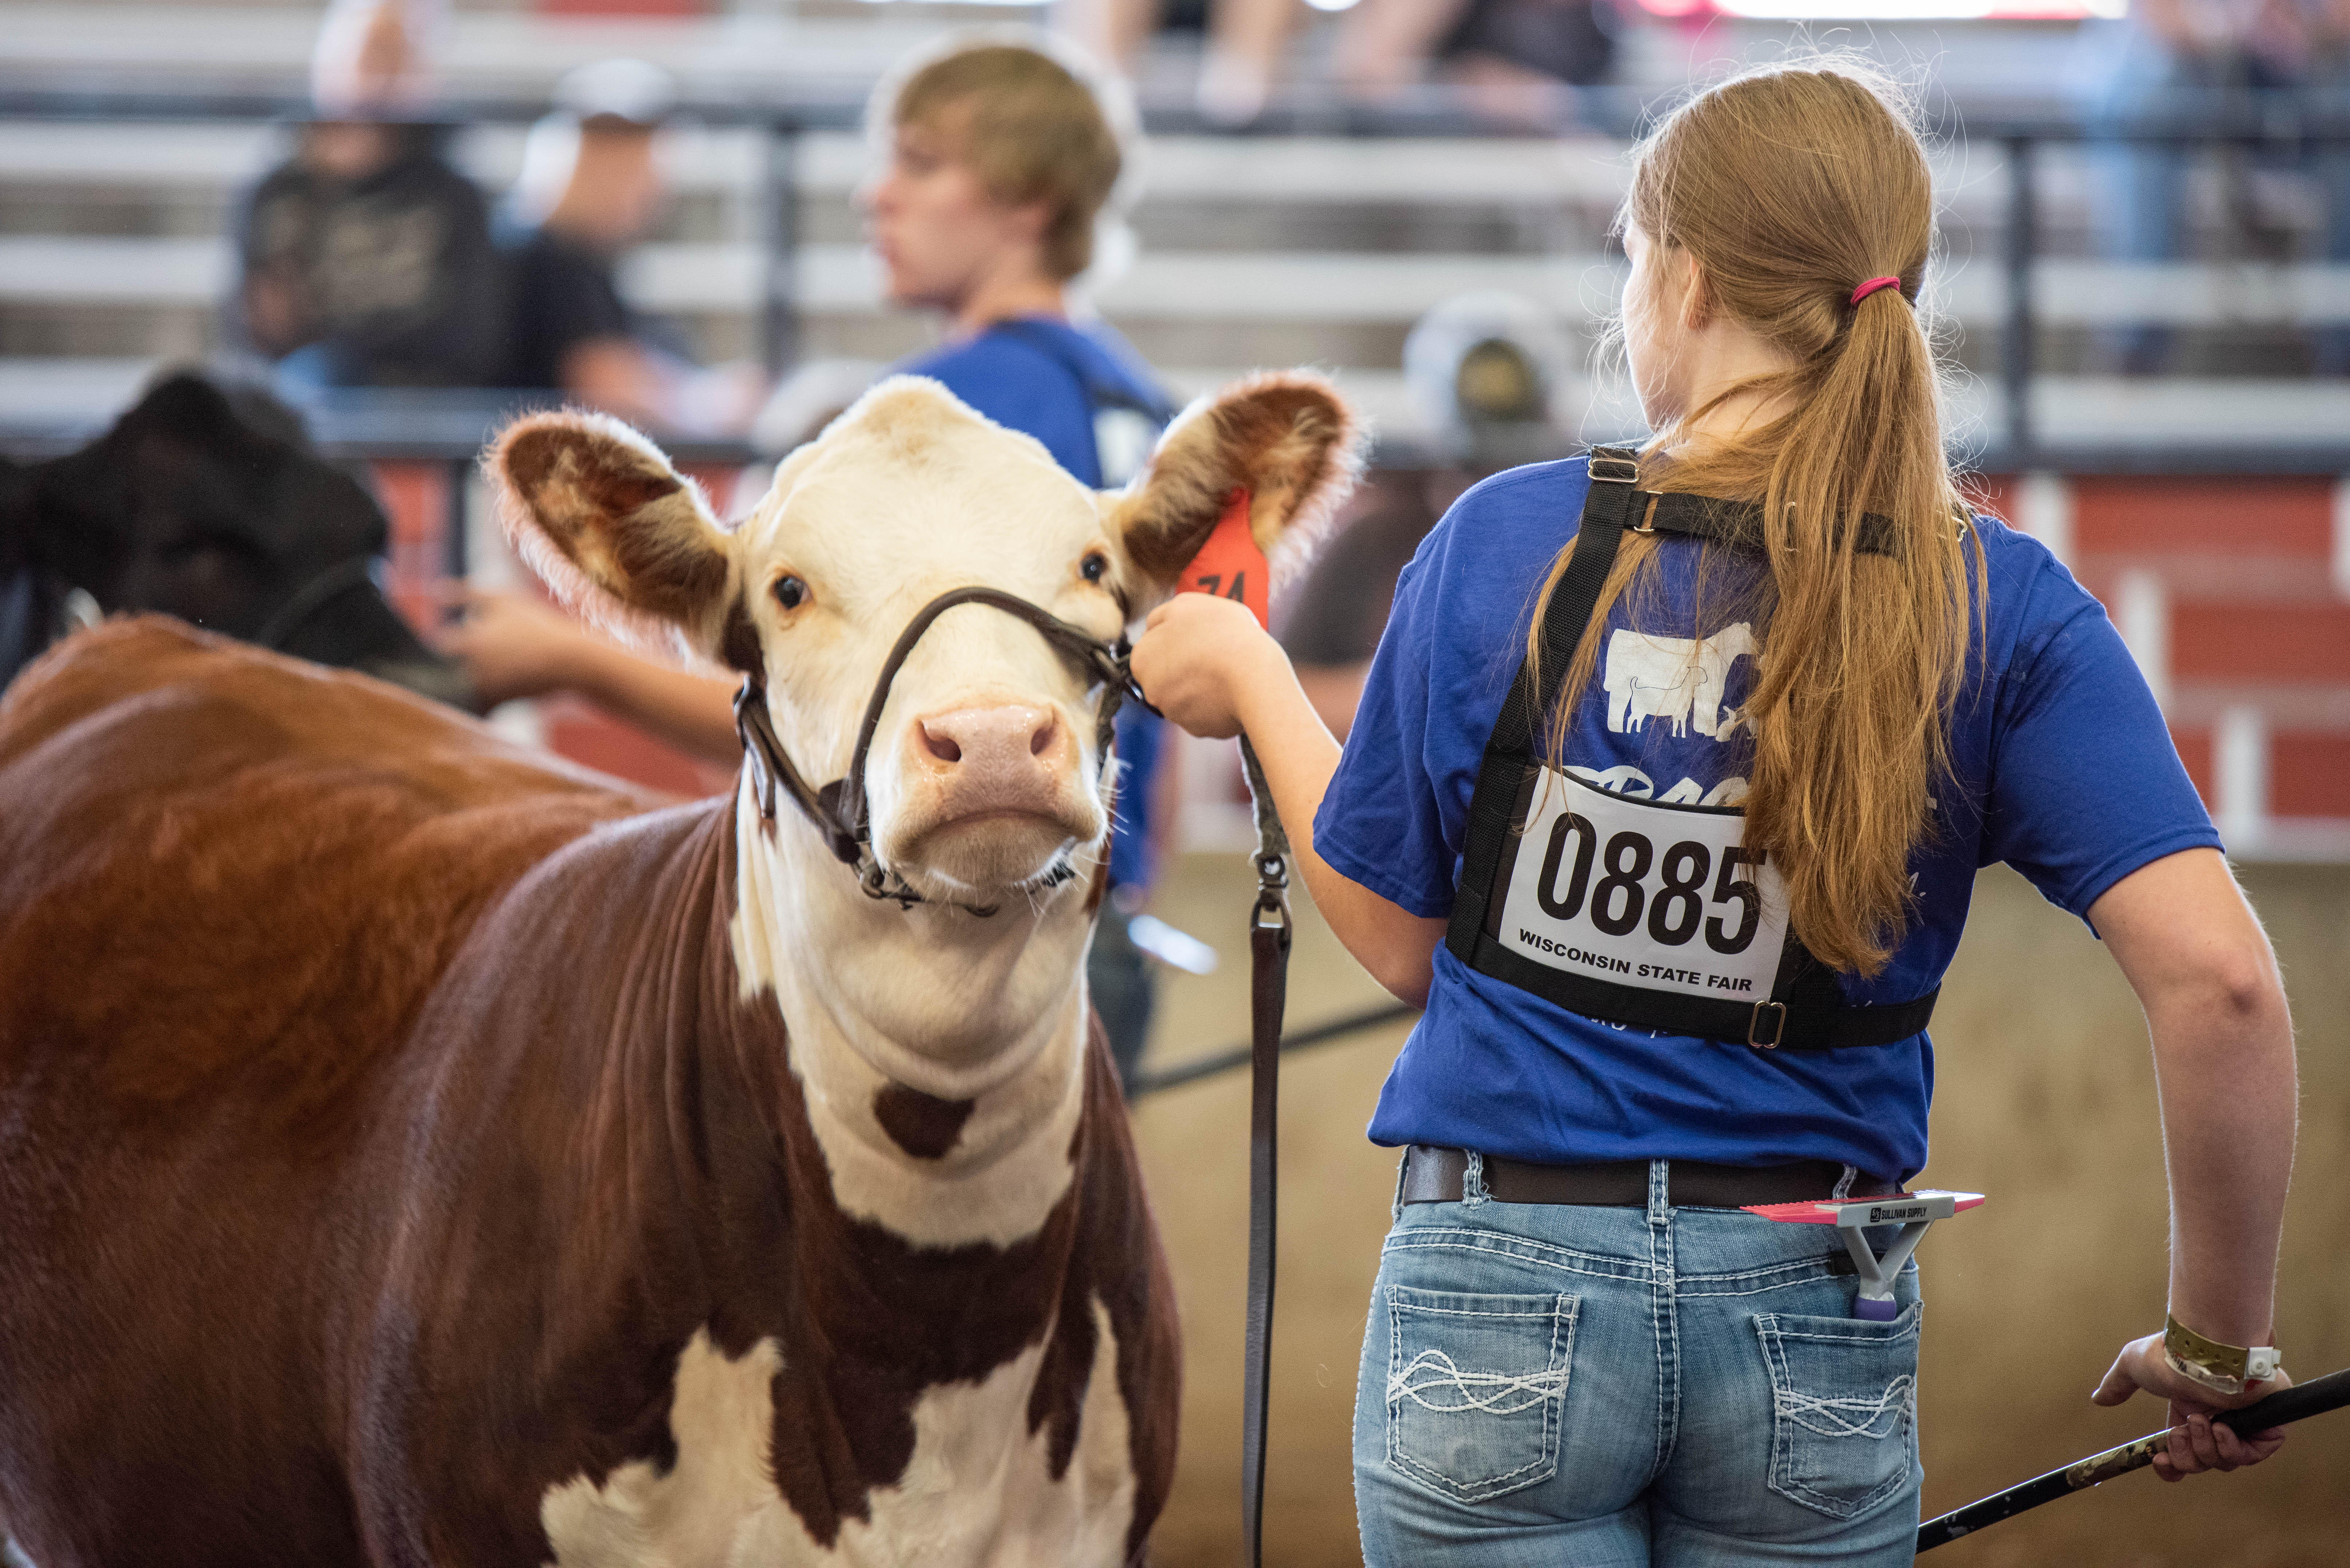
<point x="1208" y="666"/>
<point x="1197" y="657"/>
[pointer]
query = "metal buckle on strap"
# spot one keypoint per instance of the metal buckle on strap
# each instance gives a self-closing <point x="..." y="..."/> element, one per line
<point x="1607" y="467"/>
<point x="1647" y="523"/>
<point x="1778" y="1026"/>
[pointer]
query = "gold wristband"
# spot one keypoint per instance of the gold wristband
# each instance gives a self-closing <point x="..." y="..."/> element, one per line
<point x="2223" y="1368"/>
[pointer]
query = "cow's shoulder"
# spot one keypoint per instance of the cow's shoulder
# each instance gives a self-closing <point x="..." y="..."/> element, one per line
<point x="217" y="860"/>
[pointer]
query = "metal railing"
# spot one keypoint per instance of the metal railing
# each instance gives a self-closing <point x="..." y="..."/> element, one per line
<point x="780" y="126"/>
<point x="410" y="427"/>
<point x="2225" y="122"/>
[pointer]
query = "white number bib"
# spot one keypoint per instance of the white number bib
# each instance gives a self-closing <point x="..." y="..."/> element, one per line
<point x="1659" y="897"/>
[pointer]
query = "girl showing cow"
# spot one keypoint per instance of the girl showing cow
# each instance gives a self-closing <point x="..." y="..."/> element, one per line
<point x="1678" y="899"/>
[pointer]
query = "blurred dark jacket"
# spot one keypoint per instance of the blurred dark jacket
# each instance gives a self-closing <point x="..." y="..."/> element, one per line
<point x="387" y="280"/>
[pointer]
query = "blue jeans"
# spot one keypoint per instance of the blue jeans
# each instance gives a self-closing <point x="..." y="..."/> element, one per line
<point x="1563" y="1385"/>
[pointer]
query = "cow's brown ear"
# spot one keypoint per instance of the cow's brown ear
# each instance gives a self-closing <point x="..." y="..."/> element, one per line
<point x="617" y="534"/>
<point x="1287" y="439"/>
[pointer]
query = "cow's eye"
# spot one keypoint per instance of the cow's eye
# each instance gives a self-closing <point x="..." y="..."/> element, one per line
<point x="1095" y="567"/>
<point x="790" y="592"/>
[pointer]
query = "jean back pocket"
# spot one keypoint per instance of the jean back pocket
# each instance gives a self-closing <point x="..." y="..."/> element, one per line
<point x="1475" y="1386"/>
<point x="1843" y="1404"/>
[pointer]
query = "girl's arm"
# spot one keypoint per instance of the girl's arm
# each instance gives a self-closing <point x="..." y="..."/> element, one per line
<point x="1210" y="668"/>
<point x="2194" y="952"/>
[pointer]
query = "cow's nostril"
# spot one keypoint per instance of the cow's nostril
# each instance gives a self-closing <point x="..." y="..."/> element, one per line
<point x="941" y="746"/>
<point x="982" y="740"/>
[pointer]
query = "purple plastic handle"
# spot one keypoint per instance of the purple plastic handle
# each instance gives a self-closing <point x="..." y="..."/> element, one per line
<point x="1875" y="1309"/>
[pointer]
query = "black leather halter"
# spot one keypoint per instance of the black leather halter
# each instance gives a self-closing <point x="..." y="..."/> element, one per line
<point x="838" y="809"/>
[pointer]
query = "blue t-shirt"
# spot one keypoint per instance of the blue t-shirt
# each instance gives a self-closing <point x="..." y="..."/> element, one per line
<point x="2064" y="769"/>
<point x="1031" y="375"/>
<point x="1024" y="385"/>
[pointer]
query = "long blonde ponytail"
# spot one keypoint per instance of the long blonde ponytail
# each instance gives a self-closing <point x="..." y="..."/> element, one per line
<point x="1791" y="186"/>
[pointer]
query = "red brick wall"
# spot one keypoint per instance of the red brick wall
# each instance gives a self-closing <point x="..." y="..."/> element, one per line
<point x="2253" y="619"/>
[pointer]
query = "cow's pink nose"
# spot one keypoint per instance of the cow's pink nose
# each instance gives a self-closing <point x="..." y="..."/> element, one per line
<point x="1003" y="733"/>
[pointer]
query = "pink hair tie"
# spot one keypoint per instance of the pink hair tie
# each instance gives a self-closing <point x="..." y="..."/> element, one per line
<point x="1872" y="285"/>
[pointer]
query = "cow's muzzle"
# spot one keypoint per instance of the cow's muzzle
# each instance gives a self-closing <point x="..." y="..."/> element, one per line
<point x="838" y="809"/>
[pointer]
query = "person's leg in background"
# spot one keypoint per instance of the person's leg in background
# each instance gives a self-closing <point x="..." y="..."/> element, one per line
<point x="2329" y="102"/>
<point x="2138" y="188"/>
<point x="1385" y="45"/>
<point x="1239" y="62"/>
<point x="1124" y="990"/>
<point x="1242" y="62"/>
<point x="1111" y="31"/>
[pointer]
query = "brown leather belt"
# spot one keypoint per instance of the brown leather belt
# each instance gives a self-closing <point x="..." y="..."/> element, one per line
<point x="1435" y="1176"/>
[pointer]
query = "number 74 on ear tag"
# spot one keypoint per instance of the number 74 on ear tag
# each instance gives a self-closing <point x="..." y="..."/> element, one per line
<point x="1230" y="566"/>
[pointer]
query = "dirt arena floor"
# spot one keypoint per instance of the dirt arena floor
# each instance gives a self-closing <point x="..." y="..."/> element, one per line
<point x="2045" y="1089"/>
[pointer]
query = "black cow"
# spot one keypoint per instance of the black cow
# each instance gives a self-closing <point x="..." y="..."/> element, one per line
<point x="211" y="507"/>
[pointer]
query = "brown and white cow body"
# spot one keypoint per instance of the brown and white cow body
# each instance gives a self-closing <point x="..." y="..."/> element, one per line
<point x="412" y="1152"/>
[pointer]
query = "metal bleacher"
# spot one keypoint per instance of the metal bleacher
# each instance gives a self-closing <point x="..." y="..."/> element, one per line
<point x="2208" y="507"/>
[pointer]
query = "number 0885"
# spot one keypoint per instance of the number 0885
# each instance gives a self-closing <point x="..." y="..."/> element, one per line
<point x="1675" y="906"/>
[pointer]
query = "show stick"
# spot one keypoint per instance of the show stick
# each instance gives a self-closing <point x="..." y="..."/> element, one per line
<point x="2330" y="1392"/>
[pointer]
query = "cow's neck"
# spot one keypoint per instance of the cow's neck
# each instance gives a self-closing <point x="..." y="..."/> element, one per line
<point x="942" y="1054"/>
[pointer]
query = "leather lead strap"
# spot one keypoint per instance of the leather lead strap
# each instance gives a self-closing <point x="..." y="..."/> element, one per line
<point x="311" y="597"/>
<point x="1269" y="937"/>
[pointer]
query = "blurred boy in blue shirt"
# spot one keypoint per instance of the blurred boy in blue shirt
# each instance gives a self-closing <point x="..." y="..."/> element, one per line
<point x="1000" y="160"/>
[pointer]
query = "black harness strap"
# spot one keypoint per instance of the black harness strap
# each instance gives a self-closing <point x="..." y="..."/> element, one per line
<point x="1737" y="523"/>
<point x="1802" y="1014"/>
<point x="1498" y="801"/>
<point x="312" y="596"/>
<point x="1805" y="1010"/>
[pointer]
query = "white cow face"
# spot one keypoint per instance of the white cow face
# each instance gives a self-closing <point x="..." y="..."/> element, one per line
<point x="983" y="773"/>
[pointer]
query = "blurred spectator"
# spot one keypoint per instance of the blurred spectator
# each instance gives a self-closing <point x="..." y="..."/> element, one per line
<point x="1238" y="66"/>
<point x="1331" y="627"/>
<point x="365" y="259"/>
<point x="1510" y="56"/>
<point x="999" y="162"/>
<point x="591" y="187"/>
<point x="2179" y="66"/>
<point x="1483" y="371"/>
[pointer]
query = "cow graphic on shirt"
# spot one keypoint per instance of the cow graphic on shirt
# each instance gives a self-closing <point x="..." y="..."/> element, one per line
<point x="1678" y="680"/>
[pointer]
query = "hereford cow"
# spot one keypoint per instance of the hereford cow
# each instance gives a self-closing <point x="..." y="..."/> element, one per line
<point x="413" y="1154"/>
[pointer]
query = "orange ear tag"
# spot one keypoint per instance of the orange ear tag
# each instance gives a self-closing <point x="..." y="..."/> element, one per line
<point x="1229" y="565"/>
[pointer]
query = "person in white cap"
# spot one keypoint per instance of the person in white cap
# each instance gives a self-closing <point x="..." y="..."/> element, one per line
<point x="591" y="187"/>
